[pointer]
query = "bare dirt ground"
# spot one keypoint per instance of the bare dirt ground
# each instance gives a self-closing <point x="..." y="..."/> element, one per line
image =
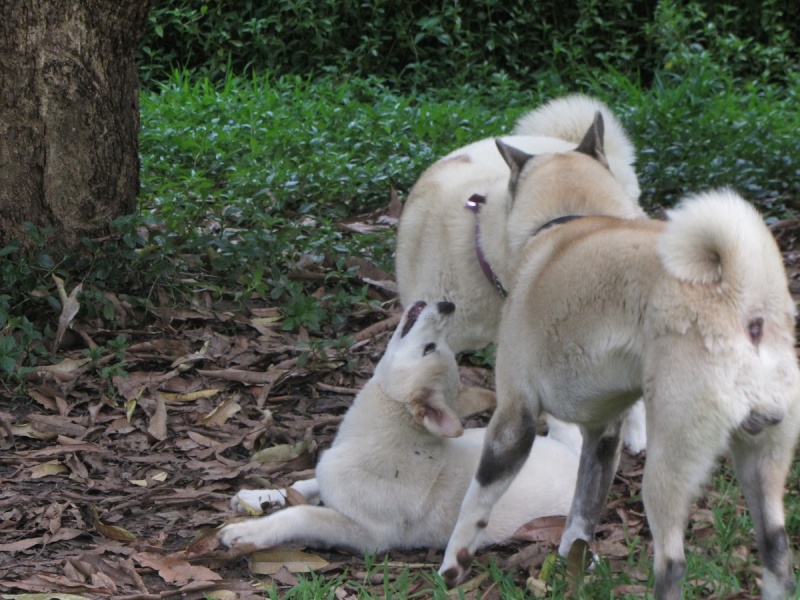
<point x="113" y="487"/>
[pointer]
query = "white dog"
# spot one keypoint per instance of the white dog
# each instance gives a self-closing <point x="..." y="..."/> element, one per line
<point x="695" y="314"/>
<point x="445" y="250"/>
<point x="397" y="470"/>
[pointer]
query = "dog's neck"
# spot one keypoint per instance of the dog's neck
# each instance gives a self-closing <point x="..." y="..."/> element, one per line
<point x="474" y="204"/>
<point x="377" y="412"/>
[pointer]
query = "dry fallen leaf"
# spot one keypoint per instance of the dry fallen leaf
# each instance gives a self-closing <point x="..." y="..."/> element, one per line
<point x="295" y="498"/>
<point x="173" y="569"/>
<point x="537" y="587"/>
<point x="69" y="308"/>
<point x="269" y="562"/>
<point x="112" y="532"/>
<point x="48" y="468"/>
<point x="30" y="431"/>
<point x="189" y="397"/>
<point x="543" y="529"/>
<point x="158" y="422"/>
<point x="204" y="541"/>
<point x="579" y="557"/>
<point x="281" y="452"/>
<point x="222" y="413"/>
<point x="395" y="207"/>
<point x="66" y="370"/>
<point x="159" y="477"/>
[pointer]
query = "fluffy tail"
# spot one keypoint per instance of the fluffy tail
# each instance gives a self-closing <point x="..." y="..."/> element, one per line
<point x="718" y="237"/>
<point x="569" y="118"/>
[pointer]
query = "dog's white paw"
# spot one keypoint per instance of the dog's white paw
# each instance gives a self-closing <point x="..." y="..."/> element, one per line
<point x="454" y="569"/>
<point x="635" y="440"/>
<point x="241" y="534"/>
<point x="249" y="502"/>
<point x="634" y="430"/>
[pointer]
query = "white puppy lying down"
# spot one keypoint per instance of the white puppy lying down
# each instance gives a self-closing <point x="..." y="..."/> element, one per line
<point x="399" y="466"/>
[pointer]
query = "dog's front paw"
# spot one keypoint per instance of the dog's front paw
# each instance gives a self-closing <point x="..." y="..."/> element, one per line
<point x="454" y="572"/>
<point x="249" y="502"/>
<point x="242" y="534"/>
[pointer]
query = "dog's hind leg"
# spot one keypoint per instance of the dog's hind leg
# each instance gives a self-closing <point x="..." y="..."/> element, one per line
<point x="762" y="464"/>
<point x="680" y="455"/>
<point x="507" y="444"/>
<point x="598" y="464"/>
<point x="315" y="526"/>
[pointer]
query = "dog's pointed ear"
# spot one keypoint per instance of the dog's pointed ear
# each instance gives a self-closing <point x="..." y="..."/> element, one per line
<point x="515" y="159"/>
<point x="593" y="142"/>
<point x="430" y="409"/>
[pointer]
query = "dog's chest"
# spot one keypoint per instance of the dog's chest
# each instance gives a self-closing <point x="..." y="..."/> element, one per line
<point x="415" y="464"/>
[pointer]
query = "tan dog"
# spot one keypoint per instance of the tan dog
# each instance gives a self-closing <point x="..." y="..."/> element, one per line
<point x="446" y="251"/>
<point x="695" y="314"/>
<point x="400" y="466"/>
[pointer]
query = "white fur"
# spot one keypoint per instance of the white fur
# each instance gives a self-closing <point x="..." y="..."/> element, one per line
<point x="390" y="478"/>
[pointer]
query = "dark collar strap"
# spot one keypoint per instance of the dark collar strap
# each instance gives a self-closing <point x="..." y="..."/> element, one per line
<point x="474" y="204"/>
<point x="556" y="221"/>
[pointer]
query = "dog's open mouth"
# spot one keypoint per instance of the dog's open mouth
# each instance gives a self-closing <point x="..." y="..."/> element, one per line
<point x="411" y="316"/>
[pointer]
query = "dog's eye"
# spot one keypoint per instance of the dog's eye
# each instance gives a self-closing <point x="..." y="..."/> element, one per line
<point x="428" y="349"/>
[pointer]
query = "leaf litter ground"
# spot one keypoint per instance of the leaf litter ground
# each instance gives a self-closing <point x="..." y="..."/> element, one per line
<point x="114" y="488"/>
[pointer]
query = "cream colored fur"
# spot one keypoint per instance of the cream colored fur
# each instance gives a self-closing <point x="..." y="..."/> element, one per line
<point x="436" y="237"/>
<point x="399" y="466"/>
<point x="695" y="314"/>
<point x="436" y="234"/>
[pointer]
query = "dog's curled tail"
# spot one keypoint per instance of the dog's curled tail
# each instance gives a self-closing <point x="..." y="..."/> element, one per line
<point x="569" y="118"/>
<point x="718" y="237"/>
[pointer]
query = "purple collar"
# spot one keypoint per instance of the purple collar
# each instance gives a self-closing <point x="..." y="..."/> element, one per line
<point x="474" y="204"/>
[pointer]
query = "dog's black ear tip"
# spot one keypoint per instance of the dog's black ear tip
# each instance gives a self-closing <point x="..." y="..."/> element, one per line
<point x="446" y="308"/>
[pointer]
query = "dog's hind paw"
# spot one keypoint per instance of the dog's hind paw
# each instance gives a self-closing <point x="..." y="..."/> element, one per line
<point x="243" y="534"/>
<point x="250" y="502"/>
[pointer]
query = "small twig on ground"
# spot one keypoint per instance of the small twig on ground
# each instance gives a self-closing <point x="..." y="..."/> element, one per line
<point x="377" y="328"/>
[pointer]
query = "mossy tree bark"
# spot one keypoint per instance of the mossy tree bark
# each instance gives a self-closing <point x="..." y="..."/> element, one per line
<point x="69" y="115"/>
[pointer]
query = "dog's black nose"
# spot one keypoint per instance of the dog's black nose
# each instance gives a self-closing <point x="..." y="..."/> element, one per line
<point x="445" y="308"/>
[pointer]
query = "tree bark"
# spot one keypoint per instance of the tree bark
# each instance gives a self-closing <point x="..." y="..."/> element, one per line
<point x="69" y="115"/>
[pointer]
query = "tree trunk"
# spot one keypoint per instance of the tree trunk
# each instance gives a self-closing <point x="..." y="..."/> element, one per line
<point x="69" y="115"/>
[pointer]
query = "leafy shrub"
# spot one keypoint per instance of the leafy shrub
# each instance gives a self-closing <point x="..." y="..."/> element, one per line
<point x="418" y="44"/>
